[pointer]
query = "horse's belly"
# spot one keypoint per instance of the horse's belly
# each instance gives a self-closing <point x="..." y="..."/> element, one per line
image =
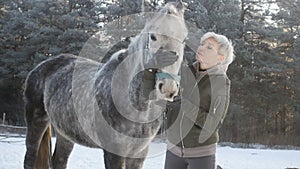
<point x="72" y="119"/>
<point x="76" y="135"/>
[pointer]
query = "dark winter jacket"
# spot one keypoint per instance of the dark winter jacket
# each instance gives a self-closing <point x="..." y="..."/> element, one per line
<point x="195" y="116"/>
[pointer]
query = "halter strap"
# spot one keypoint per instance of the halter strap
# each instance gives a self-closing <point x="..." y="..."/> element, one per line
<point x="148" y="54"/>
<point x="162" y="75"/>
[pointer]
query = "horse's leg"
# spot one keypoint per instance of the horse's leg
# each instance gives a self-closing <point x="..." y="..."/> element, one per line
<point x="37" y="122"/>
<point x="63" y="149"/>
<point x="134" y="163"/>
<point x="113" y="161"/>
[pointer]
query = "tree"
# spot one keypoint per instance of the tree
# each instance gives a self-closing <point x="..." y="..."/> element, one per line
<point x="267" y="72"/>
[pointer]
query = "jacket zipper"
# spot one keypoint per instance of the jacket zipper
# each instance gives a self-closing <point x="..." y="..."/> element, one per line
<point x="180" y="133"/>
<point x="180" y="126"/>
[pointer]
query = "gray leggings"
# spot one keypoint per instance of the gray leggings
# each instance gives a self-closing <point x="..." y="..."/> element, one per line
<point x="175" y="162"/>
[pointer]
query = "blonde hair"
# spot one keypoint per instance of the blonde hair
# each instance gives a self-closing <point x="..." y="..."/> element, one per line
<point x="226" y="47"/>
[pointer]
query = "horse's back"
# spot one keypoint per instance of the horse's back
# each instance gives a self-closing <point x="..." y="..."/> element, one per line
<point x="35" y="81"/>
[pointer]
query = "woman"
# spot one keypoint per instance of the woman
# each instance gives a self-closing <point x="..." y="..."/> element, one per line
<point x="194" y="118"/>
<point x="193" y="121"/>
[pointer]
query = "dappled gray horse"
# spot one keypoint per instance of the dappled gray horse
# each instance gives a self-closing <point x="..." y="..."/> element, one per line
<point x="101" y="105"/>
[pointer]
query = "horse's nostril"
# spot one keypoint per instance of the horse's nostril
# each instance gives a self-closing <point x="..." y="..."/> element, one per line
<point x="160" y="85"/>
<point x="171" y="95"/>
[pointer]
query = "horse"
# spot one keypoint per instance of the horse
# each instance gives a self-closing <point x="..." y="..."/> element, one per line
<point x="100" y="105"/>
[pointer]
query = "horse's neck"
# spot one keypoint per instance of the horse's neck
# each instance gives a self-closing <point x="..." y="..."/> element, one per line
<point x="123" y="75"/>
<point x="146" y="109"/>
<point x="135" y="75"/>
<point x="135" y="92"/>
<point x="137" y="50"/>
<point x="135" y="83"/>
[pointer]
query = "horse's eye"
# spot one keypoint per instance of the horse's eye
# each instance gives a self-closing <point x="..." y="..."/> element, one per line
<point x="173" y="52"/>
<point x="153" y="37"/>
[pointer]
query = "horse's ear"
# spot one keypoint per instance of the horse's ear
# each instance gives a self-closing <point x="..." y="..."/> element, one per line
<point x="179" y="5"/>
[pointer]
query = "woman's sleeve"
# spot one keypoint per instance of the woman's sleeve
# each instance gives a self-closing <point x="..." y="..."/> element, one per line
<point x="218" y="109"/>
<point x="220" y="102"/>
<point x="148" y="84"/>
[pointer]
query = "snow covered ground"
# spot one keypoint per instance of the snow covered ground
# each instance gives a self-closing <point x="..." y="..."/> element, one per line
<point x="12" y="153"/>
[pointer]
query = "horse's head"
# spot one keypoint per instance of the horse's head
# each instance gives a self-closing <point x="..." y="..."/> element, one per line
<point x="166" y="33"/>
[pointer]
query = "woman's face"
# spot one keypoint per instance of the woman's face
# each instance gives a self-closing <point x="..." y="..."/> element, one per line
<point x="207" y="54"/>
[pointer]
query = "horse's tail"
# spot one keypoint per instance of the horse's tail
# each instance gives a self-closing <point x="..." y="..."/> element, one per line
<point x="45" y="151"/>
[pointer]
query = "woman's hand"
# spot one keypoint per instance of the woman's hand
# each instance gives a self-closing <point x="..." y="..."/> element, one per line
<point x="161" y="59"/>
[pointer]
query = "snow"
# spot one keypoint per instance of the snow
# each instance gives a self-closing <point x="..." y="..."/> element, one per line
<point x="12" y="150"/>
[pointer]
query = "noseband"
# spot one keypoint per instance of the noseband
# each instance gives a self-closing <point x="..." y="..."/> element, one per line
<point x="163" y="75"/>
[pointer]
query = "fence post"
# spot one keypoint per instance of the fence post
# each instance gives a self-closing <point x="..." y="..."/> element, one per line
<point x="3" y="118"/>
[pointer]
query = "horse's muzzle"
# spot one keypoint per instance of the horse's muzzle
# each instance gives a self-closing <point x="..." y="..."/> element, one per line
<point x="167" y="89"/>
